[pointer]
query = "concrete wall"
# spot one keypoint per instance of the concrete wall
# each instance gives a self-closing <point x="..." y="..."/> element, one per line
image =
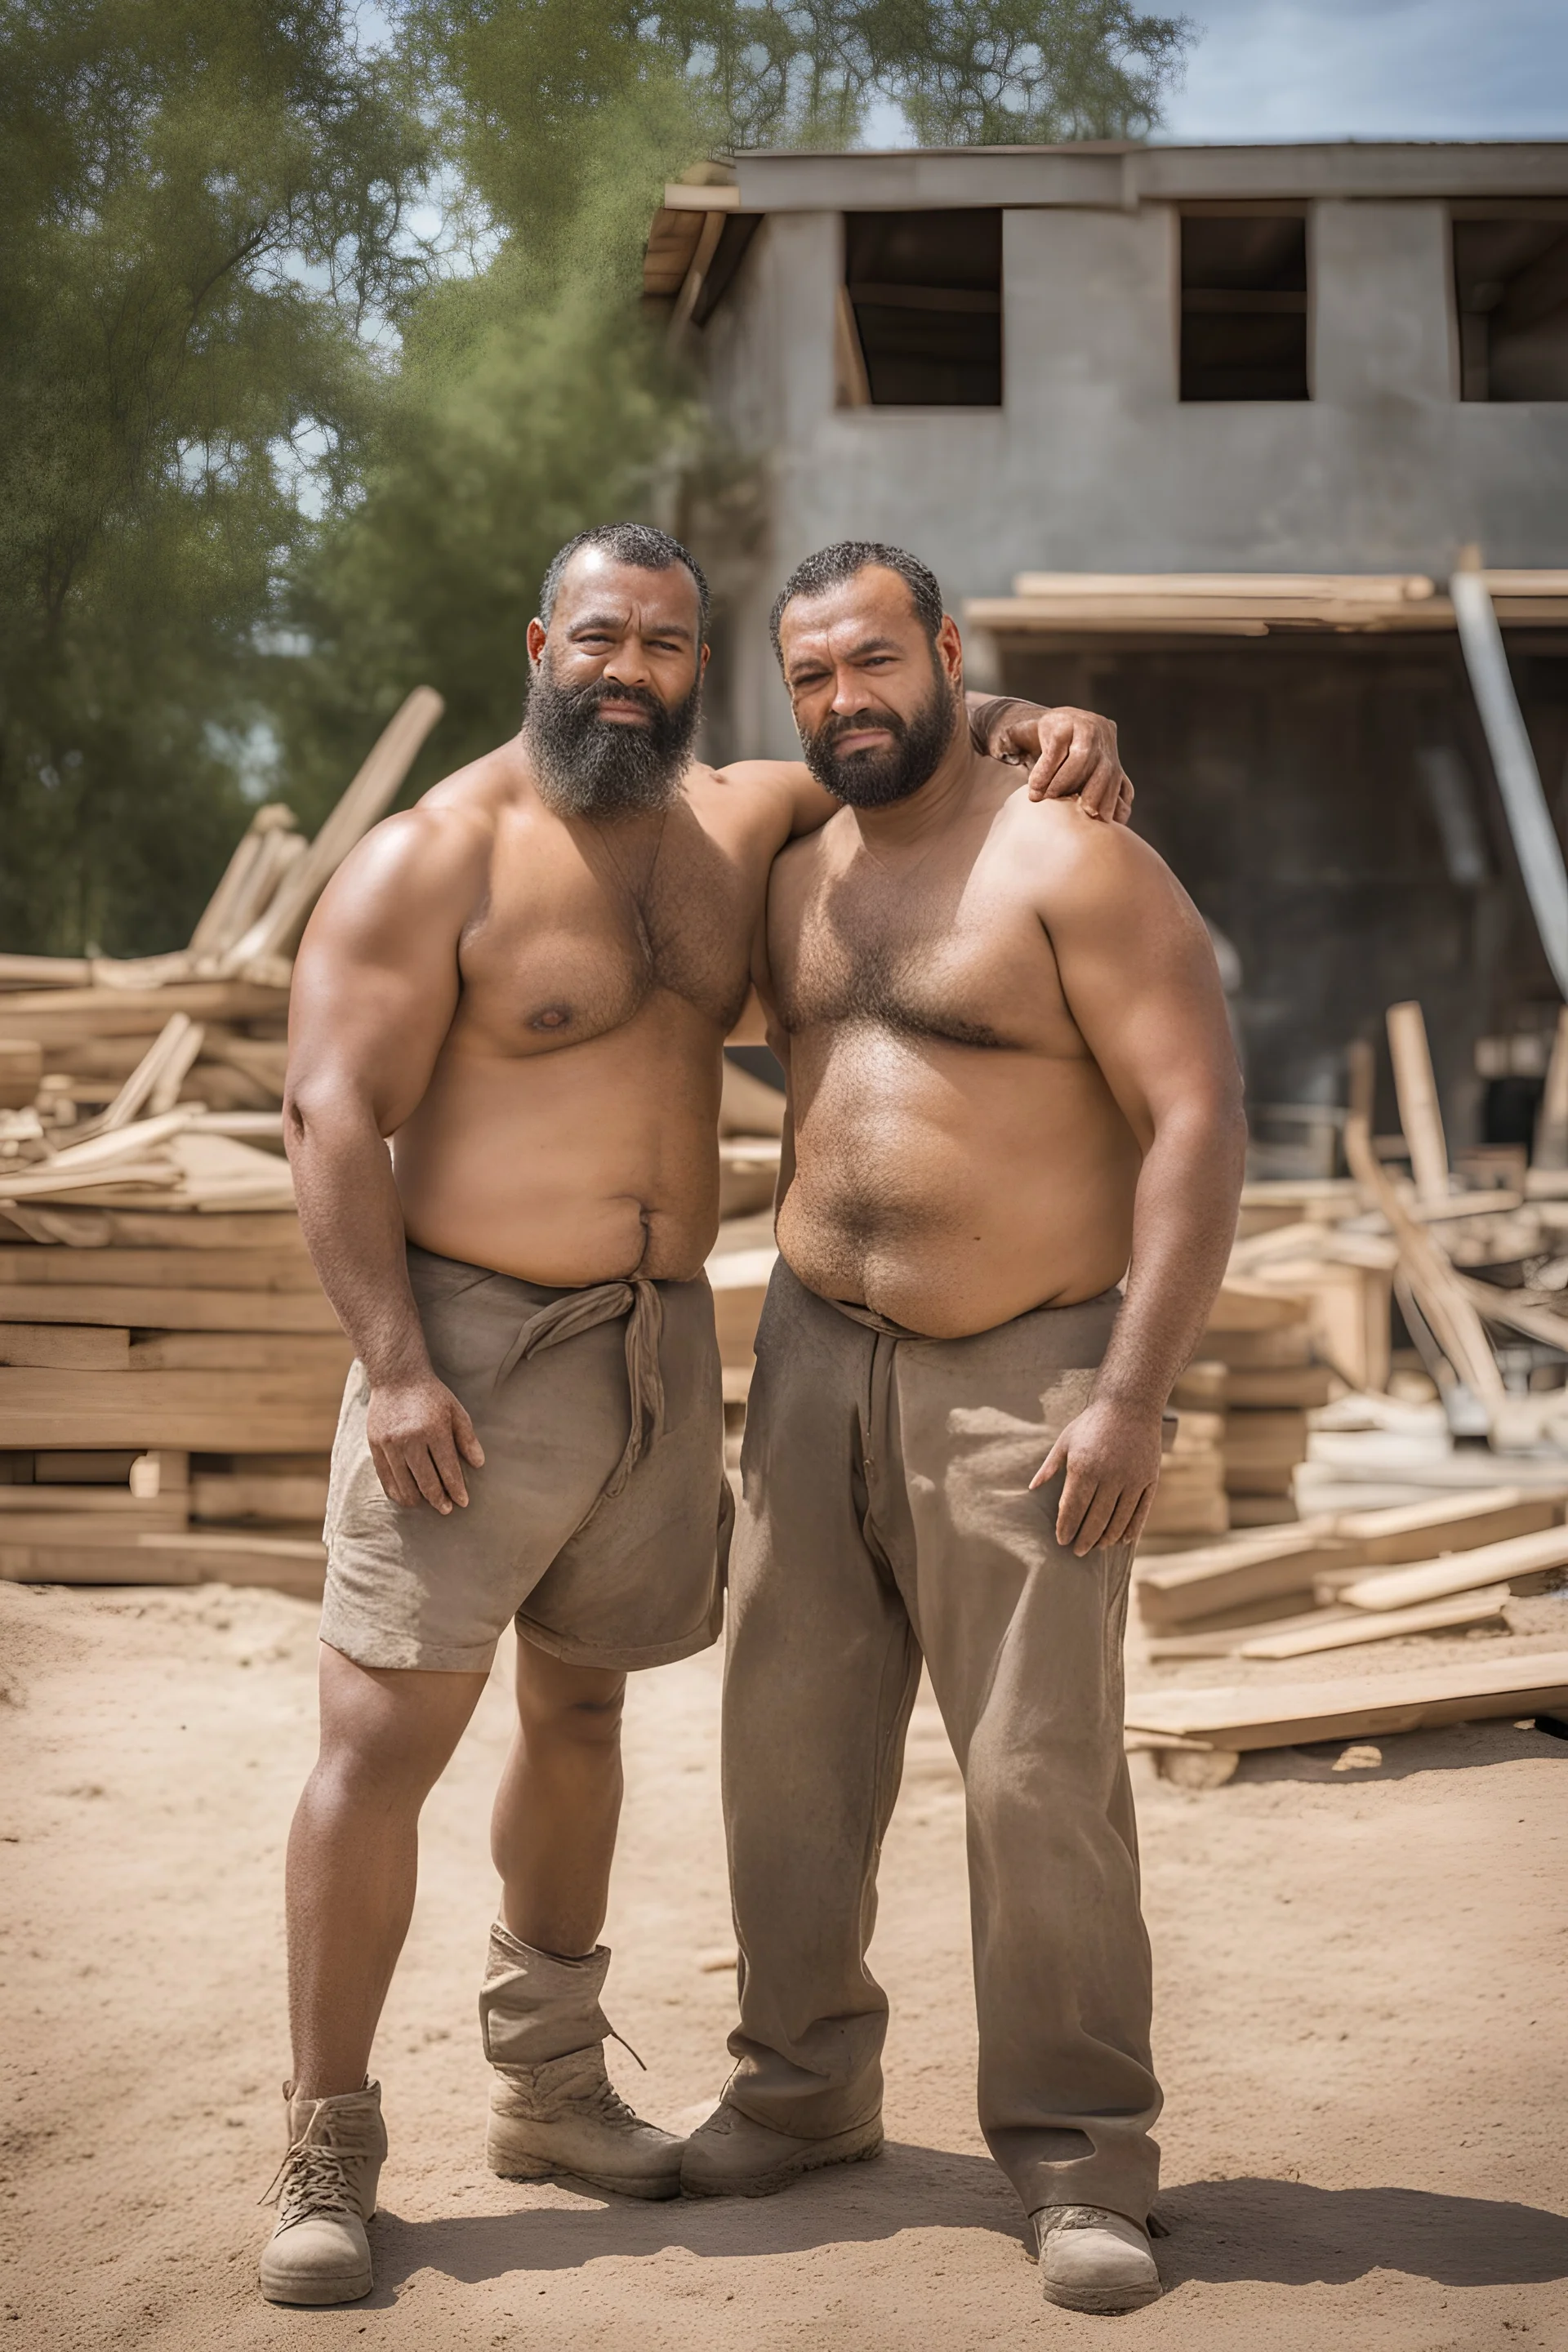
<point x="1092" y="463"/>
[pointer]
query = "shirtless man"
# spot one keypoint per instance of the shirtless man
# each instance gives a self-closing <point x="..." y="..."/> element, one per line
<point x="526" y="983"/>
<point x="1010" y="1075"/>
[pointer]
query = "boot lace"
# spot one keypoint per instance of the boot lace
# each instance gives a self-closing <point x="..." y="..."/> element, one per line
<point x="310" y="2179"/>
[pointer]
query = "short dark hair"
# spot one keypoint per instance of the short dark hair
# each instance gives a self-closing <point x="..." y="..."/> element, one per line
<point x="637" y="543"/>
<point x="830" y="565"/>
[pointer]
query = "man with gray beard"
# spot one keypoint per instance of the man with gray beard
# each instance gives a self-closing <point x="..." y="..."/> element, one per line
<point x="524" y="984"/>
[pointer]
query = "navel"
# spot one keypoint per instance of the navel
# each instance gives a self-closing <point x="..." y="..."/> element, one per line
<point x="555" y="1016"/>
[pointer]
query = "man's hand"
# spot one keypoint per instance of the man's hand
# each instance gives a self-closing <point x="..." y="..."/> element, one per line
<point x="1066" y="751"/>
<point x="419" y="1438"/>
<point x="1111" y="1455"/>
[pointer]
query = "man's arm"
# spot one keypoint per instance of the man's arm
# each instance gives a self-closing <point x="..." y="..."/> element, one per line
<point x="1067" y="752"/>
<point x="375" y="986"/>
<point x="1140" y="977"/>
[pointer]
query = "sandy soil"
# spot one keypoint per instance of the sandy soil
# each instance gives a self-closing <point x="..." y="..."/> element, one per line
<point x="1361" y="2032"/>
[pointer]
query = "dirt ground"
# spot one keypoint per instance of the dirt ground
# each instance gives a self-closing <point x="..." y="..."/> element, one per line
<point x="1361" y="2032"/>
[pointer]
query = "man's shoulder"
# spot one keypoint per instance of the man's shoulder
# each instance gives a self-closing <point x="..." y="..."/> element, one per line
<point x="1057" y="848"/>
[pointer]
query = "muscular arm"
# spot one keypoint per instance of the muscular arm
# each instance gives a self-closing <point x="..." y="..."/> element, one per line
<point x="1140" y="977"/>
<point x="375" y="986"/>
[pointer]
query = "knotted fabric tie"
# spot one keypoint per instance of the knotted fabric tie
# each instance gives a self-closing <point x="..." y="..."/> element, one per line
<point x="584" y="1310"/>
<point x="873" y="1321"/>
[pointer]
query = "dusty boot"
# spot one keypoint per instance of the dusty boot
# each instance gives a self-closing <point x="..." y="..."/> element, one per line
<point x="325" y="2192"/>
<point x="1094" y="2261"/>
<point x="730" y="2155"/>
<point x="553" y="2106"/>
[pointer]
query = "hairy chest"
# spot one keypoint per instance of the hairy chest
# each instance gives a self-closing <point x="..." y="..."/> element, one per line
<point x="964" y="964"/>
<point x="571" y="945"/>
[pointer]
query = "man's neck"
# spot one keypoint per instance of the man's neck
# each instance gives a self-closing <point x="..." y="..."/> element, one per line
<point x="944" y="797"/>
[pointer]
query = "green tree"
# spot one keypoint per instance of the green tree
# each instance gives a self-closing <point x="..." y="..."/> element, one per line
<point x="202" y="223"/>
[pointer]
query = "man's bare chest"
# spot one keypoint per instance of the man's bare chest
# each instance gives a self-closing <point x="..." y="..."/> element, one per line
<point x="570" y="949"/>
<point x="961" y="966"/>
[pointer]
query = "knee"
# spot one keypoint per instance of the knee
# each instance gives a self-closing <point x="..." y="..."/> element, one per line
<point x="564" y="1720"/>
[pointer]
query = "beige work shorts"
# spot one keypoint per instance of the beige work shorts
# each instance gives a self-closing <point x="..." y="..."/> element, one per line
<point x="600" y="1519"/>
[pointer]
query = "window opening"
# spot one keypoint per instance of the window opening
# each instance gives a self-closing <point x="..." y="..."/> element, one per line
<point x="1511" y="282"/>
<point x="920" y="318"/>
<point x="1244" y="305"/>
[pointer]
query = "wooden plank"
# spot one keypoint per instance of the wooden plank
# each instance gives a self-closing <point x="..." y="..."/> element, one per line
<point x="75" y="1529"/>
<point x="1305" y="1386"/>
<point x="1510" y="1562"/>
<point x="207" y="1412"/>
<point x="1453" y="1523"/>
<point x="115" y="1504"/>
<point x="239" y="1311"/>
<point x="91" y="1349"/>
<point x="92" y="1564"/>
<point x="1479" y="1608"/>
<point x="315" y="1358"/>
<point x="1244" y="1305"/>
<point x="251" y="1495"/>
<point x="1266" y="1716"/>
<point x="290" y="1268"/>
<point x="62" y="1016"/>
<point x="1274" y="1562"/>
<point x="175" y="1229"/>
<point x="1420" y="1116"/>
<point x="1289" y="1344"/>
<point x="289" y="1564"/>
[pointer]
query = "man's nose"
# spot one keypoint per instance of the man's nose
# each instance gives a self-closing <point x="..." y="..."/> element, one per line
<point x="627" y="666"/>
<point x="848" y="694"/>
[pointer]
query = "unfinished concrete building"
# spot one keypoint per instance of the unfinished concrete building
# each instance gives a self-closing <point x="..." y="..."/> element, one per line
<point x="1196" y="435"/>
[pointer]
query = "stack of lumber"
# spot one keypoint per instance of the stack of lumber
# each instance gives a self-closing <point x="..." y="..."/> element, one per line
<point x="1349" y="1578"/>
<point x="167" y="1403"/>
<point x="170" y="1369"/>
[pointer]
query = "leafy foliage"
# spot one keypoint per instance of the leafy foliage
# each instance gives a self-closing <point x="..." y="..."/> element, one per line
<point x="200" y="210"/>
<point x="274" y="452"/>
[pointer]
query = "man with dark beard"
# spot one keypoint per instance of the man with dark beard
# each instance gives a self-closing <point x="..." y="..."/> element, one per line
<point x="1010" y="1074"/>
<point x="525" y="984"/>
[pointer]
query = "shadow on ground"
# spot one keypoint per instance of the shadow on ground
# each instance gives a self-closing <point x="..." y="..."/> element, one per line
<point x="1455" y="1748"/>
<point x="906" y="2188"/>
<point x="1291" y="2234"/>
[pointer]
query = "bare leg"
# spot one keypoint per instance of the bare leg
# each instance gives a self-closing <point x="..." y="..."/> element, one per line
<point x="554" y="1831"/>
<point x="387" y="1738"/>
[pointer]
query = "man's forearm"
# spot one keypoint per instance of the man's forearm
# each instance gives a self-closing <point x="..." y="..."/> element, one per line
<point x="352" y="1224"/>
<point x="1182" y="1230"/>
<point x="989" y="711"/>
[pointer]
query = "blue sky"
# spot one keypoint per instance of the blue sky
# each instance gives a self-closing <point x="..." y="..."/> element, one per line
<point x="1373" y="69"/>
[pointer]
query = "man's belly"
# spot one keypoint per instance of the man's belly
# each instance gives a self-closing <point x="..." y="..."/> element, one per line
<point x="596" y="1161"/>
<point x="952" y="1187"/>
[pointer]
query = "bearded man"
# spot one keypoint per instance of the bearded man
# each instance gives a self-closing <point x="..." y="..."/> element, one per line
<point x="1010" y="1074"/>
<point x="525" y="982"/>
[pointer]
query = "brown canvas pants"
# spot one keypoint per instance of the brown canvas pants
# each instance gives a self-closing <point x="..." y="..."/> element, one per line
<point x="887" y="1517"/>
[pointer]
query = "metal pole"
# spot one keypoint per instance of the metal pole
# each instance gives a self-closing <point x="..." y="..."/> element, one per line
<point x="1530" y="821"/>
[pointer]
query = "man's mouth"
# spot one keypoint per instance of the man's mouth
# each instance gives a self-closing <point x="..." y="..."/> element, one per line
<point x="626" y="714"/>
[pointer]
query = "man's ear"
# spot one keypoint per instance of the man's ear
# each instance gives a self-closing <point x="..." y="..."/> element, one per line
<point x="702" y="663"/>
<point x="536" y="636"/>
<point x="950" y="650"/>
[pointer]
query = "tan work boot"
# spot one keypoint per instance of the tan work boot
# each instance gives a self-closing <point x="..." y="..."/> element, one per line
<point x="1094" y="2261"/>
<point x="325" y="2192"/>
<point x="553" y="2106"/>
<point x="730" y="2155"/>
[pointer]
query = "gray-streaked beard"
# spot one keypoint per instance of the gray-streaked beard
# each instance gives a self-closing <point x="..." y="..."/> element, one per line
<point x="590" y="766"/>
<point x="870" y="780"/>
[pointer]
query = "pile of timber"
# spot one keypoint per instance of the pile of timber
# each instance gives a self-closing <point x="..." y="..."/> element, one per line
<point x="170" y="1370"/>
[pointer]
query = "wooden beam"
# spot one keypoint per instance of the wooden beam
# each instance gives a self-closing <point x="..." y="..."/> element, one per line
<point x="1270" y="1716"/>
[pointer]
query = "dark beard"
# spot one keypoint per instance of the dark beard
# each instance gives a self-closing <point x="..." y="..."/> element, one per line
<point x="869" y="779"/>
<point x="590" y="766"/>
